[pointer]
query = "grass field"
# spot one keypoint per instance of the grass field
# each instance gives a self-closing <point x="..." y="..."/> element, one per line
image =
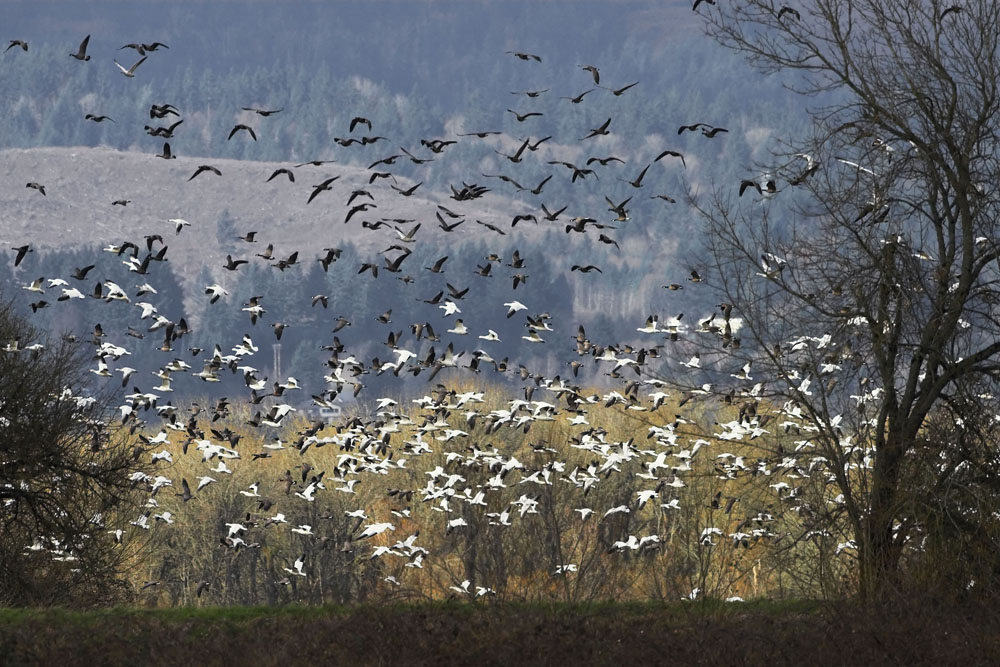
<point x="701" y="633"/>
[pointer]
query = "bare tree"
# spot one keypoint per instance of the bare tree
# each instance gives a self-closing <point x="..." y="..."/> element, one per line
<point x="66" y="491"/>
<point x="865" y="276"/>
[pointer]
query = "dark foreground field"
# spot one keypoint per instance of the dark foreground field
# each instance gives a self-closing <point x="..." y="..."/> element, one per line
<point x="464" y="634"/>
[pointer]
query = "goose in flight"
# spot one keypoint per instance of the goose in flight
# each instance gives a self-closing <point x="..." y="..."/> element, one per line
<point x="262" y="112"/>
<point x="524" y="56"/>
<point x="594" y="72"/>
<point x="163" y="110"/>
<point x="747" y="183"/>
<point x="604" y="161"/>
<point x="375" y="529"/>
<point x="603" y="129"/>
<point x="325" y="185"/>
<point x="408" y="191"/>
<point x="97" y="118"/>
<point x="671" y="154"/>
<point x="233" y="264"/>
<point x="525" y="116"/>
<point x="245" y="128"/>
<point x="795" y="13"/>
<point x="279" y="171"/>
<point x="578" y="172"/>
<point x="165" y="132"/>
<point x="359" y="120"/>
<point x="130" y="72"/>
<point x="332" y="255"/>
<point x="637" y="183"/>
<point x="16" y="42"/>
<point x="216" y="291"/>
<point x="166" y="154"/>
<point x="481" y="135"/>
<point x="81" y="53"/>
<point x="530" y="93"/>
<point x="578" y="98"/>
<point x="298" y="565"/>
<point x="185" y="495"/>
<point x="706" y="129"/>
<point x="36" y="186"/>
<point x="552" y="216"/>
<point x="179" y="224"/>
<point x="617" y="92"/>
<point x="80" y="273"/>
<point x="315" y="163"/>
<point x="203" y="168"/>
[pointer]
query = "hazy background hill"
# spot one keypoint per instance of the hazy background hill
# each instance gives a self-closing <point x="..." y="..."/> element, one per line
<point x="418" y="71"/>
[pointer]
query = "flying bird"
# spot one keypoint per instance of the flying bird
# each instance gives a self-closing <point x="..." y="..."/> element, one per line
<point x="637" y="183"/>
<point x="130" y="72"/>
<point x="163" y="110"/>
<point x="481" y="135"/>
<point x="16" y="42"/>
<point x="359" y="120"/>
<point x="603" y="129"/>
<point x="578" y="98"/>
<point x="315" y="163"/>
<point x="530" y="93"/>
<point x="747" y="183"/>
<point x="618" y="91"/>
<point x="671" y="154"/>
<point x="165" y="132"/>
<point x="21" y="252"/>
<point x="81" y="53"/>
<point x="262" y="112"/>
<point x="524" y="56"/>
<point x="278" y="172"/>
<point x="233" y="264"/>
<point x="525" y="116"/>
<point x="954" y="9"/>
<point x="81" y="273"/>
<point x="794" y="12"/>
<point x="203" y="168"/>
<point x="166" y="154"/>
<point x="245" y="128"/>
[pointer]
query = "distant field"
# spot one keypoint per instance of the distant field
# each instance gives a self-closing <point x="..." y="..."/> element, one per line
<point x="709" y="633"/>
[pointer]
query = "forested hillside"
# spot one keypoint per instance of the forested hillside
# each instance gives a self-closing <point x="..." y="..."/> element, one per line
<point x="420" y="73"/>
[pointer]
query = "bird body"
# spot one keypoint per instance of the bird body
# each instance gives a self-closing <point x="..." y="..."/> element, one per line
<point x="130" y="72"/>
<point x="81" y="53"/>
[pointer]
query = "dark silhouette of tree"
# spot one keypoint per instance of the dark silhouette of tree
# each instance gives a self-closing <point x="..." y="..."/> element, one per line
<point x="867" y="285"/>
<point x="65" y="475"/>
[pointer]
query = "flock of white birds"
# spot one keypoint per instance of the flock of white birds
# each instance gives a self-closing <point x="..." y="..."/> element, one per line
<point x="396" y="433"/>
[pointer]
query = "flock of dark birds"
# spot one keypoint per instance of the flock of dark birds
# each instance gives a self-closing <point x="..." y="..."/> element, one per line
<point x="440" y="421"/>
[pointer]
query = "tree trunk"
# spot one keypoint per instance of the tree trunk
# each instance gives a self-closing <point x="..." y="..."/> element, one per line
<point x="878" y="551"/>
